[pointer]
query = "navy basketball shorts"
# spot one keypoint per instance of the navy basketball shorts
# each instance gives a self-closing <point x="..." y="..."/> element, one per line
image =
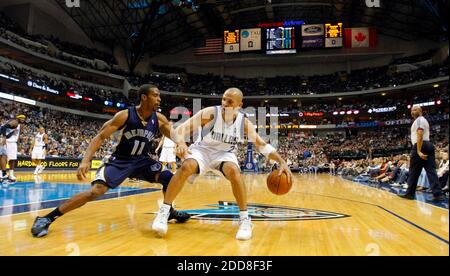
<point x="116" y="170"/>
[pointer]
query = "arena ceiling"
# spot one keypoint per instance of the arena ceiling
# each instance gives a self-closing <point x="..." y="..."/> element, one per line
<point x="162" y="26"/>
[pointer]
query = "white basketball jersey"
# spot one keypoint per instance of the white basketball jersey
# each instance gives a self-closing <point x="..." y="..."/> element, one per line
<point x="221" y="136"/>
<point x="13" y="135"/>
<point x="39" y="140"/>
<point x="168" y="143"/>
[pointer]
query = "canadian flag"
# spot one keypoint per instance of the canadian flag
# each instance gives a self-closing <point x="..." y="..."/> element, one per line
<point x="360" y="37"/>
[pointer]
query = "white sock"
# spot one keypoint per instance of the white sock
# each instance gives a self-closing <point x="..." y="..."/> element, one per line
<point x="11" y="173"/>
<point x="243" y="215"/>
<point x="37" y="169"/>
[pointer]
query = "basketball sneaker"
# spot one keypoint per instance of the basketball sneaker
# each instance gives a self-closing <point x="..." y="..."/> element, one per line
<point x="179" y="216"/>
<point x="245" y="229"/>
<point x="40" y="227"/>
<point x="12" y="178"/>
<point x="160" y="223"/>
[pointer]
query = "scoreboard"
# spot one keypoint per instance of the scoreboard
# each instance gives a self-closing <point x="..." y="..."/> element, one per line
<point x="283" y="38"/>
<point x="333" y="35"/>
<point x="280" y="40"/>
<point x="231" y="39"/>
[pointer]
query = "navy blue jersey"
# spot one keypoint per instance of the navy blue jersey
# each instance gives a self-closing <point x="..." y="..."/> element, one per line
<point x="136" y="137"/>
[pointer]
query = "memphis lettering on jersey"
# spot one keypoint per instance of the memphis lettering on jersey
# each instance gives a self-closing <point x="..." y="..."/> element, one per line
<point x="139" y="132"/>
<point x="228" y="139"/>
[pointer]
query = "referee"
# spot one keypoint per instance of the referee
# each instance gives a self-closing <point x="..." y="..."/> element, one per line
<point x="422" y="156"/>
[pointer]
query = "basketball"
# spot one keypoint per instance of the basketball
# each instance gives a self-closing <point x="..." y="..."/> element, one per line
<point x="279" y="185"/>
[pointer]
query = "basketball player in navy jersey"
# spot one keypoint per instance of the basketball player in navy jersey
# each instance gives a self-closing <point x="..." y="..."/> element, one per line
<point x="224" y="127"/>
<point x="139" y="126"/>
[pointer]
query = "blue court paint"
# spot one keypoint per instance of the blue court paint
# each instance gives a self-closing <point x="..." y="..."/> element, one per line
<point x="22" y="196"/>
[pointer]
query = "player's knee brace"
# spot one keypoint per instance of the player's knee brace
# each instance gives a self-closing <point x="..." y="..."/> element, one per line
<point x="164" y="179"/>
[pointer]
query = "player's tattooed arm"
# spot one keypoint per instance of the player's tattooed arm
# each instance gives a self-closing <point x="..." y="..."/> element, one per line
<point x="264" y="148"/>
<point x="106" y="131"/>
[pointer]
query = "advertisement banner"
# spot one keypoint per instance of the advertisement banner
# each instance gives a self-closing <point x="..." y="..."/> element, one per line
<point x="251" y="39"/>
<point x="313" y="36"/>
<point x="250" y="165"/>
<point x="24" y="163"/>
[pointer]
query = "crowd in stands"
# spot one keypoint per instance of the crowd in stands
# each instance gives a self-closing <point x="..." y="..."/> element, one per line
<point x="378" y="155"/>
<point x="357" y="80"/>
<point x="54" y="47"/>
<point x="394" y="171"/>
<point x="61" y="85"/>
<point x="415" y="58"/>
<point x="69" y="135"/>
<point x="302" y="150"/>
<point x="177" y="80"/>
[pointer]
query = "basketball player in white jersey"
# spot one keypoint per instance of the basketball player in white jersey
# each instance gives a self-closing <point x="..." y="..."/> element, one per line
<point x="227" y="126"/>
<point x="11" y="131"/>
<point x="39" y="150"/>
<point x="168" y="152"/>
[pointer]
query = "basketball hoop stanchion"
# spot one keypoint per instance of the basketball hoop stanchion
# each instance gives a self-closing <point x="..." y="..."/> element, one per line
<point x="250" y="165"/>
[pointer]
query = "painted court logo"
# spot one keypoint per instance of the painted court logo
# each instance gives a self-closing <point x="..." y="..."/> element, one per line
<point x="260" y="212"/>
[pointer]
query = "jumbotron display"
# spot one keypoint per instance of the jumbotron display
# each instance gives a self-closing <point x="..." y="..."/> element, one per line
<point x="280" y="40"/>
<point x="291" y="37"/>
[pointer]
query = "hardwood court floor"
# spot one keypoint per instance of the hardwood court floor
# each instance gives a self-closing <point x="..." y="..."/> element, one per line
<point x="376" y="223"/>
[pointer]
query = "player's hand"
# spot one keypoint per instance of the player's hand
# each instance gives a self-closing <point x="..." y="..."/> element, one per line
<point x="284" y="168"/>
<point x="422" y="156"/>
<point x="182" y="150"/>
<point x="83" y="170"/>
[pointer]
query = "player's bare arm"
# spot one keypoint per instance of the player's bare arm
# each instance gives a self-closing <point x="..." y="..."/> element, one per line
<point x="161" y="142"/>
<point x="266" y="149"/>
<point x="106" y="131"/>
<point x="168" y="131"/>
<point x="202" y="118"/>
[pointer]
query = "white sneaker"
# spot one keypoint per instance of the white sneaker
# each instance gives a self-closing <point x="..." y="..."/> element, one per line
<point x="160" y="223"/>
<point x="396" y="185"/>
<point x="405" y="186"/>
<point x="245" y="230"/>
<point x="12" y="178"/>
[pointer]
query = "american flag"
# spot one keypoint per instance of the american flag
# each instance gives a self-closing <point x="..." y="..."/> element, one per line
<point x="211" y="46"/>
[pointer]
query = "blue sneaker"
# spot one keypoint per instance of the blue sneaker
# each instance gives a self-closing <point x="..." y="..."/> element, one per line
<point x="40" y="227"/>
